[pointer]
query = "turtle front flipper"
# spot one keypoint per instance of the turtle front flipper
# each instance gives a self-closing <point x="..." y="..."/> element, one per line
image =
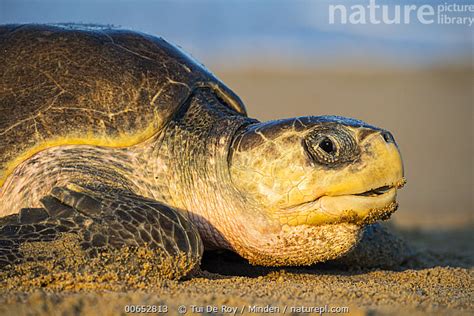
<point x="91" y="228"/>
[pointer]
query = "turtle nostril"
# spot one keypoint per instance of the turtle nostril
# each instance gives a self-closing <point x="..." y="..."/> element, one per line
<point x="388" y="137"/>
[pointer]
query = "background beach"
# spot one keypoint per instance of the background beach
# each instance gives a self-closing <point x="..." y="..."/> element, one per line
<point x="284" y="59"/>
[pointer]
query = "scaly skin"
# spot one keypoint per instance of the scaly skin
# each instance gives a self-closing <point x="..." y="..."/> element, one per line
<point x="236" y="179"/>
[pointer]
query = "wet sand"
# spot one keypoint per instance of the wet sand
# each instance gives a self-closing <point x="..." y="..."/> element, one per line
<point x="435" y="217"/>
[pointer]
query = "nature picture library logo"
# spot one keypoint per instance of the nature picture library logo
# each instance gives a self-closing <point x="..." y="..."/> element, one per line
<point x="378" y="12"/>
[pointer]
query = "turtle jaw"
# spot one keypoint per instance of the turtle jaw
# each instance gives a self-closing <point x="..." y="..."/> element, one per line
<point x="317" y="231"/>
<point x="301" y="245"/>
<point x="357" y="208"/>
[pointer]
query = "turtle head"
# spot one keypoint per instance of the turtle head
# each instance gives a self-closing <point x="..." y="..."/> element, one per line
<point x="315" y="182"/>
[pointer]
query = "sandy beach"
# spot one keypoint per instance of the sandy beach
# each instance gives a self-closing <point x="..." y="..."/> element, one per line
<point x="429" y="112"/>
<point x="436" y="280"/>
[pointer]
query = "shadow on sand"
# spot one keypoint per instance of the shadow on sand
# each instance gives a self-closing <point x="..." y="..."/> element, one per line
<point x="428" y="249"/>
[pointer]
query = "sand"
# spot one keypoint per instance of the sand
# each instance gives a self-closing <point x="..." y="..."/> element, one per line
<point x="438" y="279"/>
<point x="430" y="113"/>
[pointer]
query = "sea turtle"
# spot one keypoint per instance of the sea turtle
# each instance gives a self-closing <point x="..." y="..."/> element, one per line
<point x="122" y="140"/>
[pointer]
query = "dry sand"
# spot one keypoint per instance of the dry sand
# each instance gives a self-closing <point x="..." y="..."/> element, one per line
<point x="438" y="279"/>
<point x="430" y="113"/>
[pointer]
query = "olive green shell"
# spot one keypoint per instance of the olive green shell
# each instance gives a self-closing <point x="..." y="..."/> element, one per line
<point x="74" y="84"/>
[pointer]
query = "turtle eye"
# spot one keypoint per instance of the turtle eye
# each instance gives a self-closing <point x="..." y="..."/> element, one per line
<point x="327" y="145"/>
<point x="330" y="146"/>
<point x="323" y="149"/>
